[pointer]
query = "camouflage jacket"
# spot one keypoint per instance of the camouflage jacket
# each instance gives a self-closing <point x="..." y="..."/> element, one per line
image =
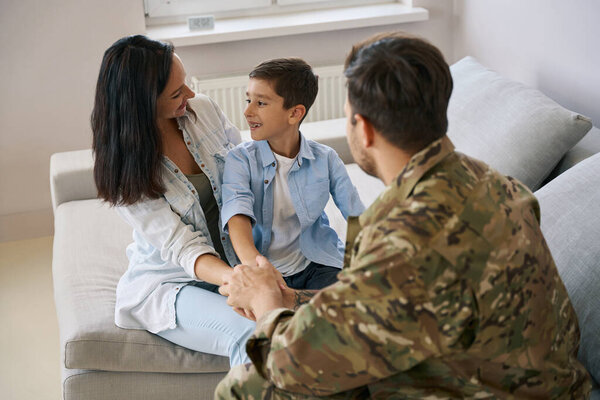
<point x="448" y="291"/>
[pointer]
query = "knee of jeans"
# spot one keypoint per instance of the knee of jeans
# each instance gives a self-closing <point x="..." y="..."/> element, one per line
<point x="244" y="331"/>
<point x="249" y="328"/>
<point x="238" y="355"/>
<point x="237" y="350"/>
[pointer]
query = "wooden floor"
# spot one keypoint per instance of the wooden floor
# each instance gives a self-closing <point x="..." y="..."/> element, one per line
<point x="29" y="346"/>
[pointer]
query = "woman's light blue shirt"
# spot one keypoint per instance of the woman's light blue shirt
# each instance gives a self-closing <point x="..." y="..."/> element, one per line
<point x="318" y="171"/>
<point x="170" y="232"/>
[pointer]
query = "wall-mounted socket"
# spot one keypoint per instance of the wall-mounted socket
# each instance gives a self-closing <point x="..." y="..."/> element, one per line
<point x="202" y="22"/>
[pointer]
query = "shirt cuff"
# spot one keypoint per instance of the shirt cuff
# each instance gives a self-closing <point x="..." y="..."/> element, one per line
<point x="188" y="261"/>
<point x="230" y="210"/>
<point x="259" y="344"/>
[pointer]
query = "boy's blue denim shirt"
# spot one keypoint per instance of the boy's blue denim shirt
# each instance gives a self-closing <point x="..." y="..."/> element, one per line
<point x="318" y="171"/>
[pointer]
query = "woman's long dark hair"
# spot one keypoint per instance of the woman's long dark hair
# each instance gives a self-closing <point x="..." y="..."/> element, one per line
<point x="126" y="140"/>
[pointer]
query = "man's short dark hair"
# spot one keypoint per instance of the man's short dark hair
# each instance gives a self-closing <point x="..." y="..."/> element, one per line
<point x="401" y="85"/>
<point x="292" y="78"/>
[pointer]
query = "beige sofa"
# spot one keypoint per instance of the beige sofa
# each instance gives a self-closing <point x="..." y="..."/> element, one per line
<point x="102" y="361"/>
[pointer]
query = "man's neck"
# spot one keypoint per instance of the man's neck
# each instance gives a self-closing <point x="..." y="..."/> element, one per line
<point x="389" y="161"/>
<point x="287" y="144"/>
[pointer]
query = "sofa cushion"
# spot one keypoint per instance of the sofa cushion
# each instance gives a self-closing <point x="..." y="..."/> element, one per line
<point x="586" y="147"/>
<point x="88" y="260"/>
<point x="515" y="129"/>
<point x="570" y="206"/>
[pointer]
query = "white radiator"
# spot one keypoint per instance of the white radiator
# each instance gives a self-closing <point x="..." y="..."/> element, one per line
<point x="230" y="94"/>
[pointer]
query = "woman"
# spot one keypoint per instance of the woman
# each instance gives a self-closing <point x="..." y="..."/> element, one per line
<point x="159" y="155"/>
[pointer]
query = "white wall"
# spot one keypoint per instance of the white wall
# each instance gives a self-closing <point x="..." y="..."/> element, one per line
<point x="50" y="53"/>
<point x="552" y="45"/>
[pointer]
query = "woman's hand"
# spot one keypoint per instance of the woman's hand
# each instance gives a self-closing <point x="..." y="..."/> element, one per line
<point x="225" y="278"/>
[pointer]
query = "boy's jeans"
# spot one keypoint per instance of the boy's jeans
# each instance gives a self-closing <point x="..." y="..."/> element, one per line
<point x="313" y="277"/>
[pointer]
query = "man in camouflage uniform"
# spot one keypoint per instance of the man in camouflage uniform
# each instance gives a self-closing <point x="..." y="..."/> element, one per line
<point x="448" y="289"/>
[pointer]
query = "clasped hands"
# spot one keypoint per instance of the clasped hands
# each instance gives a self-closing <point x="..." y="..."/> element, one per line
<point x="254" y="290"/>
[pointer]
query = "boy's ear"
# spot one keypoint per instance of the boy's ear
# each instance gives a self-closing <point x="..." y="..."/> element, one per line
<point x="366" y="131"/>
<point x="297" y="113"/>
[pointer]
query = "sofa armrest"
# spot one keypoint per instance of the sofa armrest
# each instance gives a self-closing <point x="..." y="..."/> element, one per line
<point x="72" y="177"/>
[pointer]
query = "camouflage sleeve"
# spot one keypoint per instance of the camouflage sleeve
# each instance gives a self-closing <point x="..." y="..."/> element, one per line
<point x="377" y="321"/>
<point x="258" y="345"/>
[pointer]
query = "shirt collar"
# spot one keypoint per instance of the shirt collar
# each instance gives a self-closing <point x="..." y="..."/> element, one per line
<point x="403" y="184"/>
<point x="267" y="154"/>
<point x="305" y="150"/>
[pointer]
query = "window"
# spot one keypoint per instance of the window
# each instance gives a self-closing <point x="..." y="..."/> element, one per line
<point x="167" y="8"/>
<point x="174" y="11"/>
<point x="284" y="2"/>
<point x="168" y="19"/>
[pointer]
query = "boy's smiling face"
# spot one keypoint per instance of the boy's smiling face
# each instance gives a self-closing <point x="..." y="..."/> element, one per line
<point x="265" y="114"/>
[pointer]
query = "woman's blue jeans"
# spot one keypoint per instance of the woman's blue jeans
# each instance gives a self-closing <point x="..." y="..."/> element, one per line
<point x="207" y="324"/>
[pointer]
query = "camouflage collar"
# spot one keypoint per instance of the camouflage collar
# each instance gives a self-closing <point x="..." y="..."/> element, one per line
<point x="403" y="185"/>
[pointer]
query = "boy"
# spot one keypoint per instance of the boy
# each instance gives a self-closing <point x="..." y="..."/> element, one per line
<point x="275" y="187"/>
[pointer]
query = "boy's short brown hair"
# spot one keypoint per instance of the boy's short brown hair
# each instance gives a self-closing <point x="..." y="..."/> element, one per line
<point x="401" y="85"/>
<point x="292" y="78"/>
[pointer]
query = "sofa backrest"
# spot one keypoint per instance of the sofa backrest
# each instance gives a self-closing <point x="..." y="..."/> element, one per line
<point x="570" y="221"/>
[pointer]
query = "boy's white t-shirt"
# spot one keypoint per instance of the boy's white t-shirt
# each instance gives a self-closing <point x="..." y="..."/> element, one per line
<point x="284" y="251"/>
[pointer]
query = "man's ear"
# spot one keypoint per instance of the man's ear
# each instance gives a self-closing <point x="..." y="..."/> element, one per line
<point x="366" y="132"/>
<point x="297" y="113"/>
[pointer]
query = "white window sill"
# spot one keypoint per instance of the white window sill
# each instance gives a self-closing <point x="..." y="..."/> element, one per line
<point x="234" y="29"/>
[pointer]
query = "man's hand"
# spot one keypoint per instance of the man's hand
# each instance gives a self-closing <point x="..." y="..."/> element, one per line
<point x="253" y="291"/>
<point x="245" y="313"/>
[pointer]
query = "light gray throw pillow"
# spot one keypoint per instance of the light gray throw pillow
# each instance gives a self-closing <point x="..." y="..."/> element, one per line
<point x="570" y="221"/>
<point x="515" y="129"/>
